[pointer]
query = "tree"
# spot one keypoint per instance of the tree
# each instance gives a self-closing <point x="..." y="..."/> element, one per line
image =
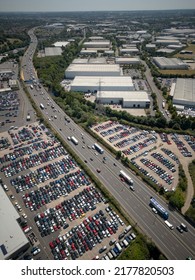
<point x="177" y="199"/>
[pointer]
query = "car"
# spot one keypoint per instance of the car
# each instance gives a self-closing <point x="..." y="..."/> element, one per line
<point x="36" y="252"/>
<point x="101" y="250"/>
<point x="24" y="215"/>
<point x="98" y="170"/>
<point x="154" y="210"/>
<point x="179" y="229"/>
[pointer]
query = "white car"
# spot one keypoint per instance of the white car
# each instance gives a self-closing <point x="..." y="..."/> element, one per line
<point x="24" y="215"/>
<point x="154" y="210"/>
<point x="36" y="252"/>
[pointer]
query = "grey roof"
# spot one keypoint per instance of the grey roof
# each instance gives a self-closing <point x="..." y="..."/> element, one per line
<point x="185" y="90"/>
<point x="103" y="81"/>
<point x="125" y="95"/>
<point x="12" y="237"/>
<point x="52" y="51"/>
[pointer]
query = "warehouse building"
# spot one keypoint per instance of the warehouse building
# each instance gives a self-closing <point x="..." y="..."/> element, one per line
<point x="127" y="60"/>
<point x="98" y="60"/>
<point x="128" y="99"/>
<point x="92" y="70"/>
<point x="100" y="83"/>
<point x="170" y="63"/>
<point x="131" y="51"/>
<point x="12" y="239"/>
<point x="53" y="51"/>
<point x="61" y="44"/>
<point x="88" y="51"/>
<point x="167" y="42"/>
<point x="97" y="44"/>
<point x="183" y="92"/>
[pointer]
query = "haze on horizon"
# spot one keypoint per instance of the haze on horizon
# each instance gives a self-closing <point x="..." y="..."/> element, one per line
<point x="90" y="5"/>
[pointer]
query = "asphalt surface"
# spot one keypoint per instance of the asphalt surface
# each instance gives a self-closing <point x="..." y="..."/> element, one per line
<point x="173" y="244"/>
<point x="154" y="89"/>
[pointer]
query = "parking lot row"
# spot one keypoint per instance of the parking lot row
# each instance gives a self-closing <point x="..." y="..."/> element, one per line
<point x="42" y="174"/>
<point x="17" y="166"/>
<point x="27" y="149"/>
<point x="158" y="170"/>
<point x="139" y="146"/>
<point x="68" y="210"/>
<point x="55" y="189"/>
<point x="105" y="126"/>
<point x="181" y="146"/>
<point x="86" y="236"/>
<point x="123" y="134"/>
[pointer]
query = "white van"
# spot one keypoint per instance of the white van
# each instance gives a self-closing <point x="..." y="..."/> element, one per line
<point x="127" y="229"/>
<point x="110" y="255"/>
<point x="169" y="225"/>
<point x="125" y="243"/>
<point x="5" y="188"/>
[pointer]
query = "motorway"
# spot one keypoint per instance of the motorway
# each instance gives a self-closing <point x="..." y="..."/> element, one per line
<point x="173" y="245"/>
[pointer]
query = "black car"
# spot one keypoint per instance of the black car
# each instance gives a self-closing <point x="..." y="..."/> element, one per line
<point x="179" y="229"/>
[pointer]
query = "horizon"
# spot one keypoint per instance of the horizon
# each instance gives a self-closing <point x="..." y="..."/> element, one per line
<point x="74" y="11"/>
<point x="89" y="6"/>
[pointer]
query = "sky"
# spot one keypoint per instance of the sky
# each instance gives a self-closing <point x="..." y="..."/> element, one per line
<point x="93" y="5"/>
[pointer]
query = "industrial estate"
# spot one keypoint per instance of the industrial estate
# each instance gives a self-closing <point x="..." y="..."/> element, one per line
<point x="97" y="135"/>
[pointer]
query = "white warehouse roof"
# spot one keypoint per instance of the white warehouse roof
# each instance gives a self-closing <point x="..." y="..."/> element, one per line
<point x="184" y="92"/>
<point x="12" y="238"/>
<point x="61" y="44"/>
<point x="92" y="70"/>
<point x="96" y="44"/>
<point x="127" y="60"/>
<point x="170" y="63"/>
<point x="126" y="95"/>
<point x="107" y="83"/>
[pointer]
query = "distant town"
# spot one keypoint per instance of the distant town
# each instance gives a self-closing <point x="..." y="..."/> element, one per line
<point x="97" y="135"/>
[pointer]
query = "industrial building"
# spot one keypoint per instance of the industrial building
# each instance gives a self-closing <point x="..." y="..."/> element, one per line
<point x="129" y="51"/>
<point x="183" y="92"/>
<point x="53" y="51"/>
<point x="127" y="60"/>
<point x="167" y="42"/>
<point x="61" y="44"/>
<point x="92" y="70"/>
<point x="128" y="99"/>
<point x="97" y="44"/>
<point x="88" y="51"/>
<point x="102" y="83"/>
<point x="98" y="60"/>
<point x="169" y="63"/>
<point x="12" y="239"/>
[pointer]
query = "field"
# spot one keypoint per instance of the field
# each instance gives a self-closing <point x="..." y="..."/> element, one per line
<point x="177" y="72"/>
<point x="187" y="56"/>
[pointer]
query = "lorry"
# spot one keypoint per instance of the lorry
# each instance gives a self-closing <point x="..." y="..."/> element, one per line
<point x="74" y="140"/>
<point x="160" y="209"/>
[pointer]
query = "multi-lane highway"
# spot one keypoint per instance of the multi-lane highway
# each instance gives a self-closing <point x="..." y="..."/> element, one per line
<point x="173" y="244"/>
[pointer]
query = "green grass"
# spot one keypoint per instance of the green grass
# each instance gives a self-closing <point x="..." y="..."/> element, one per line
<point x="191" y="211"/>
